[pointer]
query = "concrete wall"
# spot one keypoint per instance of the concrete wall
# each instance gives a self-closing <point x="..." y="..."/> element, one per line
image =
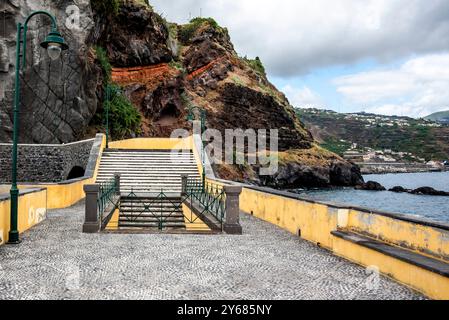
<point x="315" y="221"/>
<point x="44" y="163"/>
<point x="32" y="210"/>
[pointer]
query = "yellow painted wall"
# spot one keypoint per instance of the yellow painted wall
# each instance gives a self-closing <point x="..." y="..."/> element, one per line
<point x="32" y="210"/>
<point x="430" y="241"/>
<point x="317" y="221"/>
<point x="431" y="284"/>
<point x="152" y="144"/>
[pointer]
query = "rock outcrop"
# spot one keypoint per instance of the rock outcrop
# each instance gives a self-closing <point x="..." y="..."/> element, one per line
<point x="136" y="36"/>
<point x="371" y="186"/>
<point x="428" y="191"/>
<point x="399" y="189"/>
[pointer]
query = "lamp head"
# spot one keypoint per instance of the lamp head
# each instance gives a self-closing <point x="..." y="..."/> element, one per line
<point x="55" y="44"/>
<point x="190" y="117"/>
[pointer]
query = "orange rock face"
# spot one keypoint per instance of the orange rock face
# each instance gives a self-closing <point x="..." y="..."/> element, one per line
<point x="202" y="70"/>
<point x="149" y="75"/>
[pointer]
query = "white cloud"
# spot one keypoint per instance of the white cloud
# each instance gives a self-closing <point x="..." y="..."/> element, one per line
<point x="417" y="88"/>
<point x="303" y="97"/>
<point x="295" y="36"/>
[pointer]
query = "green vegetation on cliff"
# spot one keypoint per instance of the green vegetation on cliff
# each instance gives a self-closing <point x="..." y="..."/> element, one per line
<point x="123" y="116"/>
<point x="187" y="31"/>
<point x="124" y="119"/>
<point x="256" y="65"/>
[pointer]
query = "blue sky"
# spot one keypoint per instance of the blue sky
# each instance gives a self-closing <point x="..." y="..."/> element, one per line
<point x="381" y="56"/>
<point x="321" y="84"/>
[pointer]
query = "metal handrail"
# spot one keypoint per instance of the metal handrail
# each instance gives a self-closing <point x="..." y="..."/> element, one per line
<point x="210" y="196"/>
<point x="107" y="193"/>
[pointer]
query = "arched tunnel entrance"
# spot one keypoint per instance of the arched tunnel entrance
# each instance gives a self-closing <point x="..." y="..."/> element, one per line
<point x="76" y="172"/>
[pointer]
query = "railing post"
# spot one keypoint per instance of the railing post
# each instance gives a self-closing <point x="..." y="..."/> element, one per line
<point x="91" y="222"/>
<point x="232" y="223"/>
<point x="184" y="178"/>
<point x="117" y="183"/>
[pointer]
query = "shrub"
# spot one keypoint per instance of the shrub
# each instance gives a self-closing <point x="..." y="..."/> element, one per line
<point x="187" y="31"/>
<point x="256" y="64"/>
<point x="124" y="119"/>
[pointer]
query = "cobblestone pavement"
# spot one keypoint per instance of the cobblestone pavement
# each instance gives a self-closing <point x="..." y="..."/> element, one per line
<point x="57" y="261"/>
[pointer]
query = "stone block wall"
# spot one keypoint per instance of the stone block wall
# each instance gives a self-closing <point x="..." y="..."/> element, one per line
<point x="44" y="163"/>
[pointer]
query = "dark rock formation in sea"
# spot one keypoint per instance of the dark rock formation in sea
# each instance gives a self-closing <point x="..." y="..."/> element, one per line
<point x="163" y="68"/>
<point x="371" y="186"/>
<point x="399" y="189"/>
<point x="428" y="191"/>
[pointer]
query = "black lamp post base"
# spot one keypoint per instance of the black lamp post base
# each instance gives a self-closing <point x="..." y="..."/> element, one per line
<point x="14" y="238"/>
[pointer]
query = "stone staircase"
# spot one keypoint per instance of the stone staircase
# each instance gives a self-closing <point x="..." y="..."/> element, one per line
<point x="150" y="186"/>
<point x="144" y="171"/>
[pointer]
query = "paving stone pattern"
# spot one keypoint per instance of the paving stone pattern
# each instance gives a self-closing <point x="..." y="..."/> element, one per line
<point x="57" y="261"/>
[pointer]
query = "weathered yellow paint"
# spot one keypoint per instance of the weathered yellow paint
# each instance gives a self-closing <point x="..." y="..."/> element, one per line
<point x="32" y="210"/>
<point x="427" y="240"/>
<point x="197" y="225"/>
<point x="113" y="223"/>
<point x="315" y="222"/>
<point x="431" y="284"/>
<point x="152" y="144"/>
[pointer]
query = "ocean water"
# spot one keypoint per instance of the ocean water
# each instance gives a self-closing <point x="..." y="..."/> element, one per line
<point x="429" y="207"/>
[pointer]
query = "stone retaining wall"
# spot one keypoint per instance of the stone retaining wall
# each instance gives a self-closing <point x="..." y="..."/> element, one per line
<point x="44" y="163"/>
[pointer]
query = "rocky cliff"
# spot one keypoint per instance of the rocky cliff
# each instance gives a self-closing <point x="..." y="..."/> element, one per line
<point x="164" y="67"/>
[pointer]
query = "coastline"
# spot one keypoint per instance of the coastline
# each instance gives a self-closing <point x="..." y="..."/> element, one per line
<point x="387" y="168"/>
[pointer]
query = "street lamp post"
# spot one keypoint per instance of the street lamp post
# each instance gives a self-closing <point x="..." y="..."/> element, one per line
<point x="54" y="43"/>
<point x="192" y="117"/>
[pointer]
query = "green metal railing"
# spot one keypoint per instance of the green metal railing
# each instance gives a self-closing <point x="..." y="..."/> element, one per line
<point x="108" y="200"/>
<point x="210" y="196"/>
<point x="154" y="207"/>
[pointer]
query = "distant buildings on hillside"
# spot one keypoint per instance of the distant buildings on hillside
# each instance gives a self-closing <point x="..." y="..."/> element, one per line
<point x="373" y="120"/>
<point x="368" y="155"/>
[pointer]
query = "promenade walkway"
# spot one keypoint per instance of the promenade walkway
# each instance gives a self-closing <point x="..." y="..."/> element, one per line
<point x="57" y="261"/>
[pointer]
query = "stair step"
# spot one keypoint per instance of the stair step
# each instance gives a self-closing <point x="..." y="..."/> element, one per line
<point x="148" y="171"/>
<point x="150" y="212"/>
<point x="151" y="225"/>
<point x="165" y="220"/>
<point x="146" y="152"/>
<point x="149" y="161"/>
